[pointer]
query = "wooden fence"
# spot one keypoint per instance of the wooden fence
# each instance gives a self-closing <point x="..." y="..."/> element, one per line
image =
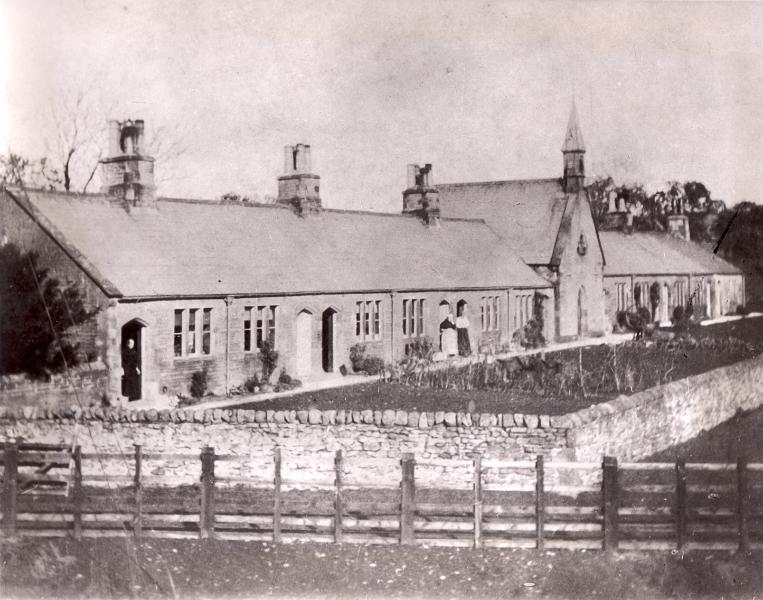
<point x="46" y="491"/>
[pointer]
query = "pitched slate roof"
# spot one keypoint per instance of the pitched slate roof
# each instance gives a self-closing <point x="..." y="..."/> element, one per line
<point x="658" y="253"/>
<point x="525" y="213"/>
<point x="195" y="248"/>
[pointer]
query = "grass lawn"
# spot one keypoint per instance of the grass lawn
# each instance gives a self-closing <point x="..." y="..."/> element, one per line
<point x="643" y="364"/>
<point x="40" y="568"/>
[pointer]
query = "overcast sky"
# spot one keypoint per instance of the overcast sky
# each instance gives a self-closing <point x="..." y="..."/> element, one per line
<point x="480" y="89"/>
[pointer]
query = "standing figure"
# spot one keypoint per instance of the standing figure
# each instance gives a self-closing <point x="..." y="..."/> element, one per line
<point x="462" y="330"/>
<point x="448" y="343"/>
<point x="131" y="376"/>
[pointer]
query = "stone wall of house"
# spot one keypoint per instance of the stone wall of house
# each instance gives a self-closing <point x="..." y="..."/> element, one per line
<point x="580" y="274"/>
<point x="629" y="427"/>
<point x="228" y="362"/>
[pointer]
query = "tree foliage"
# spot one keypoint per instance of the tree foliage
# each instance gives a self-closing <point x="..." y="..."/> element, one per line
<point x="34" y="339"/>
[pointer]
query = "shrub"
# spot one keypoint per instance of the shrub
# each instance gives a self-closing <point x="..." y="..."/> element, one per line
<point x="357" y="356"/>
<point x="678" y="314"/>
<point x="252" y="383"/>
<point x="373" y="365"/>
<point x="742" y="310"/>
<point x="30" y="298"/>
<point x="286" y="382"/>
<point x="532" y="334"/>
<point x="269" y="359"/>
<point x="199" y="383"/>
<point x="421" y="348"/>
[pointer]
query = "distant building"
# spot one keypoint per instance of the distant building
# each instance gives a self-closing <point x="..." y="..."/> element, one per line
<point x="202" y="284"/>
<point x="549" y="223"/>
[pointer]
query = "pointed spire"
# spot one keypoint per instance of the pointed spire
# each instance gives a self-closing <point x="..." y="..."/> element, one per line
<point x="573" y="140"/>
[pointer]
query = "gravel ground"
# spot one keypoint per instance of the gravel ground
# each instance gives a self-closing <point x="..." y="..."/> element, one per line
<point x="212" y="569"/>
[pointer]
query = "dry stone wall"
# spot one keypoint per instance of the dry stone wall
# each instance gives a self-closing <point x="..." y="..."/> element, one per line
<point x="629" y="427"/>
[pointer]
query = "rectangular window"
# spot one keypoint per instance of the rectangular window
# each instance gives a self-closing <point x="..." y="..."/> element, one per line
<point x="413" y="317"/>
<point x="489" y="310"/>
<point x="248" y="329"/>
<point x="178" y="337"/>
<point x="191" y="337"/>
<point x="272" y="326"/>
<point x="266" y="325"/>
<point x="206" y="331"/>
<point x="260" y="326"/>
<point x="368" y="319"/>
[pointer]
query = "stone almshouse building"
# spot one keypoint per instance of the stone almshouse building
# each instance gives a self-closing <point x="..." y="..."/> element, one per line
<point x="201" y="284"/>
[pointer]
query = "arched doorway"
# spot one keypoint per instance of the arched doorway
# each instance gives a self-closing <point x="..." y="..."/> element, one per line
<point x="328" y="339"/>
<point x="582" y="313"/>
<point x="132" y="349"/>
<point x="303" y="345"/>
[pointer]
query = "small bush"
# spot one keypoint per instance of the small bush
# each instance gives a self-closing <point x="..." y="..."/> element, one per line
<point x="678" y="314"/>
<point x="199" y="383"/>
<point x="421" y="348"/>
<point x="252" y="383"/>
<point x="742" y="310"/>
<point x="357" y="356"/>
<point x="269" y="359"/>
<point x="373" y="365"/>
<point x="286" y="382"/>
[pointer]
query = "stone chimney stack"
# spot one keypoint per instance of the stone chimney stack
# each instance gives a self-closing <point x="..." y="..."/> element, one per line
<point x="126" y="173"/>
<point x="299" y="187"/>
<point x="421" y="197"/>
<point x="678" y="226"/>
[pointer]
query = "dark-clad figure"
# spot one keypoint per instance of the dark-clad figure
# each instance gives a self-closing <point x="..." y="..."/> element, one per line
<point x="131" y="377"/>
<point x="462" y="331"/>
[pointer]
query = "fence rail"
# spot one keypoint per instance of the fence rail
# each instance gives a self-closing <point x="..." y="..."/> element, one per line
<point x="52" y="490"/>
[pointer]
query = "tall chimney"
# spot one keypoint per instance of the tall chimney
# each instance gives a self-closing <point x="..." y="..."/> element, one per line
<point x="421" y="198"/>
<point x="298" y="187"/>
<point x="127" y="175"/>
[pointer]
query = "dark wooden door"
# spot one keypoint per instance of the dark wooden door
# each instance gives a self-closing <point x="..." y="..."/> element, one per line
<point x="328" y="340"/>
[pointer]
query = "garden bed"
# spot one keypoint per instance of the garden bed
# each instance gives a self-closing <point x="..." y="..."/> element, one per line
<point x="562" y="382"/>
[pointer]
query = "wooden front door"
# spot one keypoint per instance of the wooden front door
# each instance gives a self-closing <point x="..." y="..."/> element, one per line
<point x="132" y="360"/>
<point x="328" y="340"/>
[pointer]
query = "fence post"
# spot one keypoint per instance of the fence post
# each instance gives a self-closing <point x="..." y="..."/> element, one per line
<point x="10" y="474"/>
<point x="277" y="496"/>
<point x="137" y="523"/>
<point x="207" y="517"/>
<point x="478" y="501"/>
<point x="77" y="493"/>
<point x="540" y="503"/>
<point x="339" y="499"/>
<point x="610" y="493"/>
<point x="744" y="536"/>
<point x="680" y="502"/>
<point x="407" y="500"/>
